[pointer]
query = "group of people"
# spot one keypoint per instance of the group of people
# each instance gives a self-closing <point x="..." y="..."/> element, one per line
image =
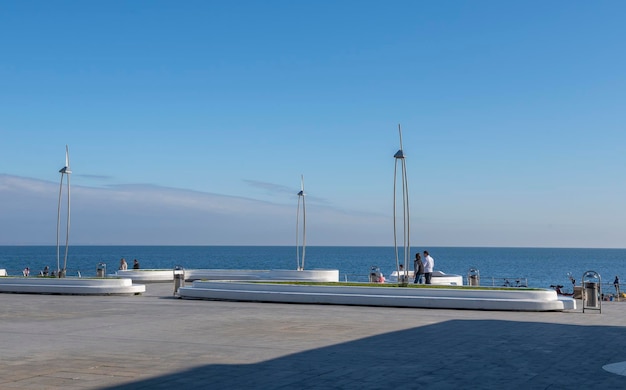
<point x="46" y="270"/>
<point x="124" y="264"/>
<point x="423" y="268"/>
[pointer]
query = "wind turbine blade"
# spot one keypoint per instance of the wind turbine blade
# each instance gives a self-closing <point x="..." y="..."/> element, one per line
<point x="67" y="156"/>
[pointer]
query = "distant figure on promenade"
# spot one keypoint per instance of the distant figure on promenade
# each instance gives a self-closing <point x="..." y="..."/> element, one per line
<point x="418" y="266"/>
<point x="429" y="265"/>
<point x="135" y="264"/>
<point x="123" y="264"/>
<point x="616" y="284"/>
<point x="26" y="271"/>
<point x="401" y="276"/>
<point x="46" y="270"/>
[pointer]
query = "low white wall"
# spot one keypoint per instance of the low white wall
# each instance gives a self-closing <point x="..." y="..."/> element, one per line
<point x="477" y="299"/>
<point x="163" y="275"/>
<point x="70" y="286"/>
<point x="147" y="275"/>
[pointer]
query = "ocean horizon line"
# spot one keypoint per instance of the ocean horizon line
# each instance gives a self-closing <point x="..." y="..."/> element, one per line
<point x="312" y="246"/>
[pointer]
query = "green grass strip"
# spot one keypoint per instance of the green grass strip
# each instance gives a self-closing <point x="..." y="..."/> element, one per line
<point x="387" y="285"/>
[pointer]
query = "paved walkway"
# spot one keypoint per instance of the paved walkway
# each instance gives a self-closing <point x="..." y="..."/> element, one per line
<point x="155" y="341"/>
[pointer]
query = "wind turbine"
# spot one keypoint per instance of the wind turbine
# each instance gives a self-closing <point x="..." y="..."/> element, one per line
<point x="301" y="197"/>
<point x="64" y="171"/>
<point x="399" y="156"/>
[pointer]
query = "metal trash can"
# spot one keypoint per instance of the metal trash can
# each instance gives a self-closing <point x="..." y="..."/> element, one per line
<point x="591" y="285"/>
<point x="179" y="278"/>
<point x="101" y="270"/>
<point x="591" y="294"/>
<point x="375" y="275"/>
<point x="473" y="277"/>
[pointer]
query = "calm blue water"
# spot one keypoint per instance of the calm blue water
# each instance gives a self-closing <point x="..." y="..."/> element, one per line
<point x="541" y="266"/>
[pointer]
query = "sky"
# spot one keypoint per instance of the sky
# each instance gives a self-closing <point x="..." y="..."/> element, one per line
<point x="192" y="122"/>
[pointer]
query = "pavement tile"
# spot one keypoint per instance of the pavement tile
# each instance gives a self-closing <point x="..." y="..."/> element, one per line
<point x="153" y="341"/>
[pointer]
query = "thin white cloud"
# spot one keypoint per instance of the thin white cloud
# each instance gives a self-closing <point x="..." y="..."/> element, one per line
<point x="141" y="214"/>
<point x="151" y="215"/>
<point x="283" y="190"/>
<point x="95" y="177"/>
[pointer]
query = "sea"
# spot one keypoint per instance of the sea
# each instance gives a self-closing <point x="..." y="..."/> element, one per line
<point x="534" y="267"/>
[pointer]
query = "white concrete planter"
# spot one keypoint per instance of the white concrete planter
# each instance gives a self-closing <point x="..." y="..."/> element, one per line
<point x="319" y="275"/>
<point x="146" y="275"/>
<point x="441" y="298"/>
<point x="77" y="286"/>
<point x="161" y="275"/>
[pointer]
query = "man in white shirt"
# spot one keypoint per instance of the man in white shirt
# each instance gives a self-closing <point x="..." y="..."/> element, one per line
<point x="429" y="264"/>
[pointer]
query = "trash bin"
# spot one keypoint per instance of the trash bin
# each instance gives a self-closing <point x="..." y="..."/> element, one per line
<point x="179" y="278"/>
<point x="375" y="275"/>
<point x="591" y="294"/>
<point x="101" y="270"/>
<point x="473" y="277"/>
<point x="591" y="286"/>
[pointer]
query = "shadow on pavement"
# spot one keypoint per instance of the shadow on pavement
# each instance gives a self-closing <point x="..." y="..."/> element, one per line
<point x="485" y="354"/>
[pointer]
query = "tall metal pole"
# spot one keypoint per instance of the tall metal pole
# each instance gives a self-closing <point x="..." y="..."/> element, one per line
<point x="300" y="264"/>
<point x="67" y="227"/>
<point x="64" y="171"/>
<point x="59" y="223"/>
<point x="399" y="157"/>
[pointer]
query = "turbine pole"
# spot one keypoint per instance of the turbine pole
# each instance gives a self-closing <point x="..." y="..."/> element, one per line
<point x="300" y="264"/>
<point x="59" y="223"/>
<point x="64" y="171"/>
<point x="399" y="157"/>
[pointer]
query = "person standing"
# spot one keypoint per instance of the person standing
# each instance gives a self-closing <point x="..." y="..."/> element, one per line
<point x="429" y="264"/>
<point x="616" y="284"/>
<point x="135" y="264"/>
<point x="123" y="264"/>
<point x="402" y="278"/>
<point x="418" y="266"/>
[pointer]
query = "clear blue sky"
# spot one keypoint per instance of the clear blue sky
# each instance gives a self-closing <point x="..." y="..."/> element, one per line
<point x="190" y="122"/>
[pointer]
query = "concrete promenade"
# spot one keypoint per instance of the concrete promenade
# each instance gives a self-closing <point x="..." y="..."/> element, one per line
<point x="154" y="341"/>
